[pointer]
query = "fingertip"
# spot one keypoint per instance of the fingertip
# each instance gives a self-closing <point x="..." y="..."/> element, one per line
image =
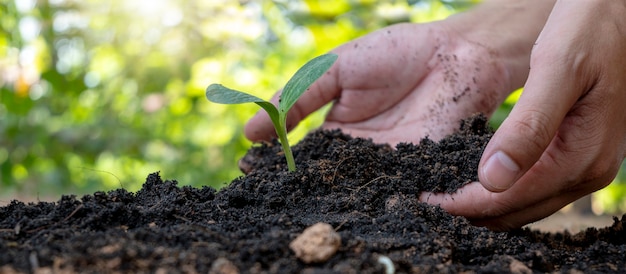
<point x="259" y="128"/>
<point x="499" y="172"/>
<point x="443" y="200"/>
<point x="425" y="197"/>
<point x="519" y="142"/>
<point x="472" y="200"/>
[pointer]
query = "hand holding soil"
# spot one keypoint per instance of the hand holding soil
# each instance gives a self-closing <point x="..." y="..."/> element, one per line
<point x="565" y="137"/>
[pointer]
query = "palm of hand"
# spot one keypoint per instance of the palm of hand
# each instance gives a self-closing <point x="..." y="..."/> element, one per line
<point x="400" y="84"/>
<point x="424" y="83"/>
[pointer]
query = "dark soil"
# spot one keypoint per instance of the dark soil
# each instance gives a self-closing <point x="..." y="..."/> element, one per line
<point x="366" y="192"/>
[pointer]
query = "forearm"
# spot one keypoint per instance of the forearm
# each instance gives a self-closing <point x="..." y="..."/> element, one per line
<point x="509" y="28"/>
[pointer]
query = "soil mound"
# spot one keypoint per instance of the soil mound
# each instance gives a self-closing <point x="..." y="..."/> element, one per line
<point x="366" y="192"/>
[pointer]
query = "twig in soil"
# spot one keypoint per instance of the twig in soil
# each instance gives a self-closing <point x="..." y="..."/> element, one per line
<point x="73" y="212"/>
<point x="425" y="157"/>
<point x="64" y="220"/>
<point x="340" y="225"/>
<point x="332" y="182"/>
<point x="362" y="214"/>
<point x="182" y="218"/>
<point x="6" y="230"/>
<point x="41" y="228"/>
<point x="373" y="180"/>
<point x="155" y="205"/>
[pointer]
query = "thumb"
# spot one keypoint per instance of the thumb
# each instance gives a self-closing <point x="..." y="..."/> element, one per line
<point x="562" y="71"/>
<point x="550" y="92"/>
<point x="517" y="145"/>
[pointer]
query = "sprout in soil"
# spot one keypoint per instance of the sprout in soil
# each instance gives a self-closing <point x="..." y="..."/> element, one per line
<point x="294" y="88"/>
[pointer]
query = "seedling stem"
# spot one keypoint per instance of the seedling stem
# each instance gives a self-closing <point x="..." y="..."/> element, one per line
<point x="294" y="88"/>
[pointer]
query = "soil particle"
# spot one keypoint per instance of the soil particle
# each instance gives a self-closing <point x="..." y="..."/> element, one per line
<point x="367" y="192"/>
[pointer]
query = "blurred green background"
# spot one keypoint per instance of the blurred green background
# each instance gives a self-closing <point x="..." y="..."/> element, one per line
<point x="95" y="95"/>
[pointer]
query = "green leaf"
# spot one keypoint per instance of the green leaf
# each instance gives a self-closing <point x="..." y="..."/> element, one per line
<point x="303" y="79"/>
<point x="220" y="94"/>
<point x="217" y="93"/>
<point x="298" y="84"/>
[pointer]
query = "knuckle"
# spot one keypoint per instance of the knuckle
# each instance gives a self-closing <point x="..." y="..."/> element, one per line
<point x="533" y="131"/>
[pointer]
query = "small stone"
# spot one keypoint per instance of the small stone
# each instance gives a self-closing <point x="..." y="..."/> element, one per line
<point x="316" y="244"/>
<point x="223" y="266"/>
<point x="392" y="203"/>
<point x="518" y="267"/>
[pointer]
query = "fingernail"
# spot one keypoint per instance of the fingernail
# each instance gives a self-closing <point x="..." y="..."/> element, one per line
<point x="500" y="171"/>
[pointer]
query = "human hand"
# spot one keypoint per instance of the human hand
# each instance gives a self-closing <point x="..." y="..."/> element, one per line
<point x="400" y="84"/>
<point x="565" y="137"/>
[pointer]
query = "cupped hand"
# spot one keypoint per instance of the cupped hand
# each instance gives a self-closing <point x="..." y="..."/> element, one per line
<point x="566" y="136"/>
<point x="400" y="84"/>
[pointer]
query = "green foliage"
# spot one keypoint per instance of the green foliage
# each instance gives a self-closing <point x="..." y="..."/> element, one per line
<point x="94" y="95"/>
<point x="295" y="87"/>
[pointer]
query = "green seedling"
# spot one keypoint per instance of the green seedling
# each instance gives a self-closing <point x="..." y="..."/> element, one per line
<point x="295" y="87"/>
